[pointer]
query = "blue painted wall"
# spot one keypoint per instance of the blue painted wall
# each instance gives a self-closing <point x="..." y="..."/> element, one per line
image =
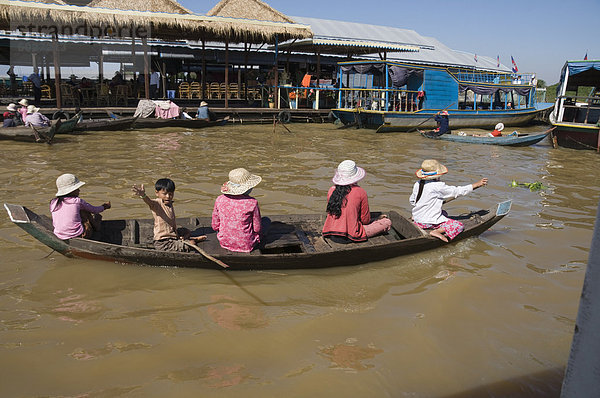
<point x="441" y="89"/>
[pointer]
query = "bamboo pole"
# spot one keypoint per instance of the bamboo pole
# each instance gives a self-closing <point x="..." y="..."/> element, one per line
<point x="56" y="70"/>
<point x="227" y="74"/>
<point x="146" y="68"/>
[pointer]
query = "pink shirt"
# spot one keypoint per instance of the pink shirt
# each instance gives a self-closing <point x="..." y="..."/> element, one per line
<point x="355" y="214"/>
<point x="236" y="218"/>
<point x="23" y="112"/>
<point x="66" y="218"/>
<point x="170" y="113"/>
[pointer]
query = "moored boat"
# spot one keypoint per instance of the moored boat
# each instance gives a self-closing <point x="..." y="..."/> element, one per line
<point x="68" y="126"/>
<point x="576" y="117"/>
<point x="292" y="241"/>
<point x="107" y="124"/>
<point x="395" y="96"/>
<point x="505" y="140"/>
<point x="145" y="123"/>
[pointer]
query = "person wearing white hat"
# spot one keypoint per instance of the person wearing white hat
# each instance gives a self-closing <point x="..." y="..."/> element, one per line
<point x="12" y="117"/>
<point x="348" y="216"/>
<point x="72" y="216"/>
<point x="236" y="215"/>
<point x="498" y="130"/>
<point x="428" y="196"/>
<point x="203" y="111"/>
<point x="23" y="109"/>
<point x="35" y="118"/>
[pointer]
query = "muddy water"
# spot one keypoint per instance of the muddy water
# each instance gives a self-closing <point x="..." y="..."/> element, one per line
<point x="488" y="316"/>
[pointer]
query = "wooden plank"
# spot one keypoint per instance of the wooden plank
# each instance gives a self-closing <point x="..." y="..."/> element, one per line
<point x="404" y="227"/>
<point x="308" y="247"/>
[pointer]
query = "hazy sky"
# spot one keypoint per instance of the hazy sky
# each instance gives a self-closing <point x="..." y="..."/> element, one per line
<point x="540" y="34"/>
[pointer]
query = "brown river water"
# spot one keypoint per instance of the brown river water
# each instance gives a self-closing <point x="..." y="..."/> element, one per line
<point x="489" y="316"/>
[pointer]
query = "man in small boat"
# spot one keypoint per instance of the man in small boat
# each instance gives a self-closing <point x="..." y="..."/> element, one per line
<point x="35" y="118"/>
<point x="348" y="216"/>
<point x="166" y="234"/>
<point x="443" y="125"/>
<point x="496" y="133"/>
<point x="12" y="117"/>
<point x="204" y="113"/>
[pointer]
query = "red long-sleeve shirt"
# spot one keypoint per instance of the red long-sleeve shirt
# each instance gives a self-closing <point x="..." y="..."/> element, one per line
<point x="355" y="213"/>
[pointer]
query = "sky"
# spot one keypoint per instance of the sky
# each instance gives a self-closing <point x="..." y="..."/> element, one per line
<point x="540" y="34"/>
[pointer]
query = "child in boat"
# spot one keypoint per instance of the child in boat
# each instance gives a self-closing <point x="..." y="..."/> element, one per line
<point x="72" y="216"/>
<point x="428" y="196"/>
<point x="348" y="216"/>
<point x="167" y="236"/>
<point x="236" y="215"/>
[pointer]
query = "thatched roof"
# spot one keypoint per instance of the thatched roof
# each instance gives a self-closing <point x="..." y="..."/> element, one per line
<point x="161" y="25"/>
<point x="47" y="1"/>
<point x="168" y="6"/>
<point x="248" y="9"/>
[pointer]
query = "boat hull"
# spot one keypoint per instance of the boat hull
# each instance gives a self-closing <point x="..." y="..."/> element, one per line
<point x="577" y="136"/>
<point x="142" y="123"/>
<point x="402" y="121"/>
<point x="293" y="241"/>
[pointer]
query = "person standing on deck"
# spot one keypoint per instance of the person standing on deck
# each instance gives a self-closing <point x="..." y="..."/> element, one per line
<point x="154" y="84"/>
<point x="36" y="80"/>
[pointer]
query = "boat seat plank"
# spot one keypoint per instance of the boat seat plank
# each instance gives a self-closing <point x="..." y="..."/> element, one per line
<point x="404" y="227"/>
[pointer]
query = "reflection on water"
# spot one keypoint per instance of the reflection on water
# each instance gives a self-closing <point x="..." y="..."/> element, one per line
<point x="483" y="316"/>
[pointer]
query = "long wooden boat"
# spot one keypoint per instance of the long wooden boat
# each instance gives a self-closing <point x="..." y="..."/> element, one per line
<point x="292" y="241"/>
<point x="395" y="96"/>
<point x="506" y="140"/>
<point x="146" y="123"/>
<point x="30" y="134"/>
<point x="107" y="124"/>
<point x="577" y="118"/>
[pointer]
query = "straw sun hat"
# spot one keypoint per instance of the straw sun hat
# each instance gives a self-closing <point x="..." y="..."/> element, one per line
<point x="348" y="173"/>
<point x="12" y="107"/>
<point x="499" y="126"/>
<point x="431" y="169"/>
<point x="32" y="109"/>
<point x="23" y="102"/>
<point x="67" y="183"/>
<point x="203" y="103"/>
<point x="240" y="181"/>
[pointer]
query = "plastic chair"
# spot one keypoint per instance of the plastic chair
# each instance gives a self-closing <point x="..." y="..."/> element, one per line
<point x="46" y="91"/>
<point x="102" y="94"/>
<point x="69" y="95"/>
<point x="233" y="91"/>
<point x="120" y="94"/>
<point x="215" y="91"/>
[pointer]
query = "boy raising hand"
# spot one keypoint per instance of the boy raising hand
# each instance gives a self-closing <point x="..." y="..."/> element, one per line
<point x="166" y="234"/>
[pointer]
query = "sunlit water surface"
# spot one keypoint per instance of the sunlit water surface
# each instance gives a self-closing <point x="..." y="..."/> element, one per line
<point x="489" y="316"/>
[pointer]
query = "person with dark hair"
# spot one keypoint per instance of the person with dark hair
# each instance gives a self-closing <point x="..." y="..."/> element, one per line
<point x="443" y="125"/>
<point x="428" y="196"/>
<point x="166" y="234"/>
<point x="73" y="217"/>
<point x="36" y="80"/>
<point x="348" y="216"/>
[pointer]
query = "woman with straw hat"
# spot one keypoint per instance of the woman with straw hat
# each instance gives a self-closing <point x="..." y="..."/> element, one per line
<point x="23" y="109"/>
<point x="428" y="196"/>
<point x="348" y="216"/>
<point x="236" y="215"/>
<point x="12" y="117"/>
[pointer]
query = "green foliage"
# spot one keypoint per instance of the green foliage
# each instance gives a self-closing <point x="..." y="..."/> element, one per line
<point x="533" y="186"/>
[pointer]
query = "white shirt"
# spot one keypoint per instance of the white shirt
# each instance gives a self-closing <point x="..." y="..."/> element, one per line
<point x="428" y="210"/>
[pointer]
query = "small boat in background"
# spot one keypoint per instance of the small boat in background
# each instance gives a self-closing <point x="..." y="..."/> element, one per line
<point x="151" y="122"/>
<point x="576" y="117"/>
<point x="292" y="241"/>
<point x="30" y="133"/>
<point x="505" y="140"/>
<point x="106" y="124"/>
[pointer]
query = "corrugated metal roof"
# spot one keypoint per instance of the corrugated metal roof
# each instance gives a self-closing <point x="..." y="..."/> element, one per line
<point x="432" y="51"/>
<point x="336" y="46"/>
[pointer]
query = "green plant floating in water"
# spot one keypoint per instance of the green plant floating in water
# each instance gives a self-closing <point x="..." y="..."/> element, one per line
<point x="533" y="186"/>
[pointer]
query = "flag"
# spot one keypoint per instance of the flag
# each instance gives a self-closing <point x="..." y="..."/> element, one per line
<point x="585" y="58"/>
<point x="475" y="57"/>
<point x="498" y="62"/>
<point x="514" y="65"/>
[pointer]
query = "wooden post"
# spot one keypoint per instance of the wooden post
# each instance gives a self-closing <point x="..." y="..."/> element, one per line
<point x="318" y="69"/>
<point x="101" y="67"/>
<point x="56" y="70"/>
<point x="239" y="82"/>
<point x="203" y="78"/>
<point x="146" y="68"/>
<point x="164" y="79"/>
<point x="227" y="73"/>
<point x="246" y="50"/>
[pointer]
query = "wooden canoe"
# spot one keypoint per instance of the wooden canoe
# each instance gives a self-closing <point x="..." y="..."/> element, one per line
<point x="146" y="123"/>
<point x="30" y="133"/>
<point x="293" y="241"/>
<point x="507" y="140"/>
<point x="107" y="124"/>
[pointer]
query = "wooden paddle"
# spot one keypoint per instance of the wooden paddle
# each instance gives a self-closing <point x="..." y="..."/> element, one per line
<point x="205" y="254"/>
<point x="429" y="118"/>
